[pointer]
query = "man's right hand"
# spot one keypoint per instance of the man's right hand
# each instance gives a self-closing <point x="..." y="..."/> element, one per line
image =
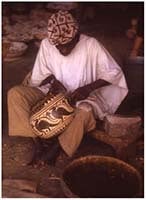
<point x="57" y="87"/>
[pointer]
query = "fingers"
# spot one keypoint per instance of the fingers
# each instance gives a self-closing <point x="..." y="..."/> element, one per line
<point x="76" y="96"/>
<point x="57" y="87"/>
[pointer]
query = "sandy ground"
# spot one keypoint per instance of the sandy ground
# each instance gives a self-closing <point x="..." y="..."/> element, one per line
<point x="17" y="152"/>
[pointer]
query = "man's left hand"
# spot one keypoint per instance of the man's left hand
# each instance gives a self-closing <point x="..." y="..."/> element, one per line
<point x="80" y="94"/>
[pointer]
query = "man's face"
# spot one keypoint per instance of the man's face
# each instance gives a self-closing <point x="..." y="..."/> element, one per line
<point x="65" y="49"/>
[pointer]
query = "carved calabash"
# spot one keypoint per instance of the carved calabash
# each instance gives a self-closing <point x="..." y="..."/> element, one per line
<point x="51" y="116"/>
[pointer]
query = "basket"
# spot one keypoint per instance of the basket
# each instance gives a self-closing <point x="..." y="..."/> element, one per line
<point x="102" y="177"/>
<point x="51" y="116"/>
<point x="16" y="49"/>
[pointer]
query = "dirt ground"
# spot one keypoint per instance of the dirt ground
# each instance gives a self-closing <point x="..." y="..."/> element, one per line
<point x="17" y="152"/>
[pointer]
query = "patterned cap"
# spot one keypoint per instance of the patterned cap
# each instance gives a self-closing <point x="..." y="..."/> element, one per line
<point x="62" y="28"/>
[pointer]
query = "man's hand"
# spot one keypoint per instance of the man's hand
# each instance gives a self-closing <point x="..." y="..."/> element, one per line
<point x="57" y="87"/>
<point x="80" y="94"/>
<point x="83" y="92"/>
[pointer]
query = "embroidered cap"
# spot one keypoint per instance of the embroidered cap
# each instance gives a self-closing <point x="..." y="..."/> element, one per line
<point x="62" y="28"/>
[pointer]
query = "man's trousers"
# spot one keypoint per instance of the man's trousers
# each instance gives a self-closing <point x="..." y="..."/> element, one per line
<point x="20" y="101"/>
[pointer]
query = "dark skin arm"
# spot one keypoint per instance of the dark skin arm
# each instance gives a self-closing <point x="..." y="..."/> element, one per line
<point x="79" y="94"/>
<point x="83" y="92"/>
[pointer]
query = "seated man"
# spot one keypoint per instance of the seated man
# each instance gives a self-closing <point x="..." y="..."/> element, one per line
<point x="93" y="79"/>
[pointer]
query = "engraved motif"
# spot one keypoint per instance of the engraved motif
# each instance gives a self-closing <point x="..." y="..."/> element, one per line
<point x="51" y="116"/>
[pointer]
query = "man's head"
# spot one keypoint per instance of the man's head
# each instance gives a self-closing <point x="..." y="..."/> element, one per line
<point x="63" y="31"/>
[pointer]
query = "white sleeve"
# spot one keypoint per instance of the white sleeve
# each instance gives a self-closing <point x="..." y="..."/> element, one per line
<point x="41" y="69"/>
<point x="107" y="67"/>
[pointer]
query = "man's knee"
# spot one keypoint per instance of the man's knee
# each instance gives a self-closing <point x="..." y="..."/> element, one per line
<point x="14" y="93"/>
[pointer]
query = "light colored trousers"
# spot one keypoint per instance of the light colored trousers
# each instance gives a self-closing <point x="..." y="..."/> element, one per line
<point x="20" y="101"/>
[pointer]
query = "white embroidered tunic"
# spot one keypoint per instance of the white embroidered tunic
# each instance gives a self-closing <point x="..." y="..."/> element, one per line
<point x="87" y="62"/>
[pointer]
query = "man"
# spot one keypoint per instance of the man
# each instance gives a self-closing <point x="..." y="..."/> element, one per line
<point x="84" y="67"/>
<point x="137" y="48"/>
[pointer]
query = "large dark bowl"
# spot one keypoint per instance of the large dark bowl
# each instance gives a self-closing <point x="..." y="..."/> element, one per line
<point x="102" y="177"/>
